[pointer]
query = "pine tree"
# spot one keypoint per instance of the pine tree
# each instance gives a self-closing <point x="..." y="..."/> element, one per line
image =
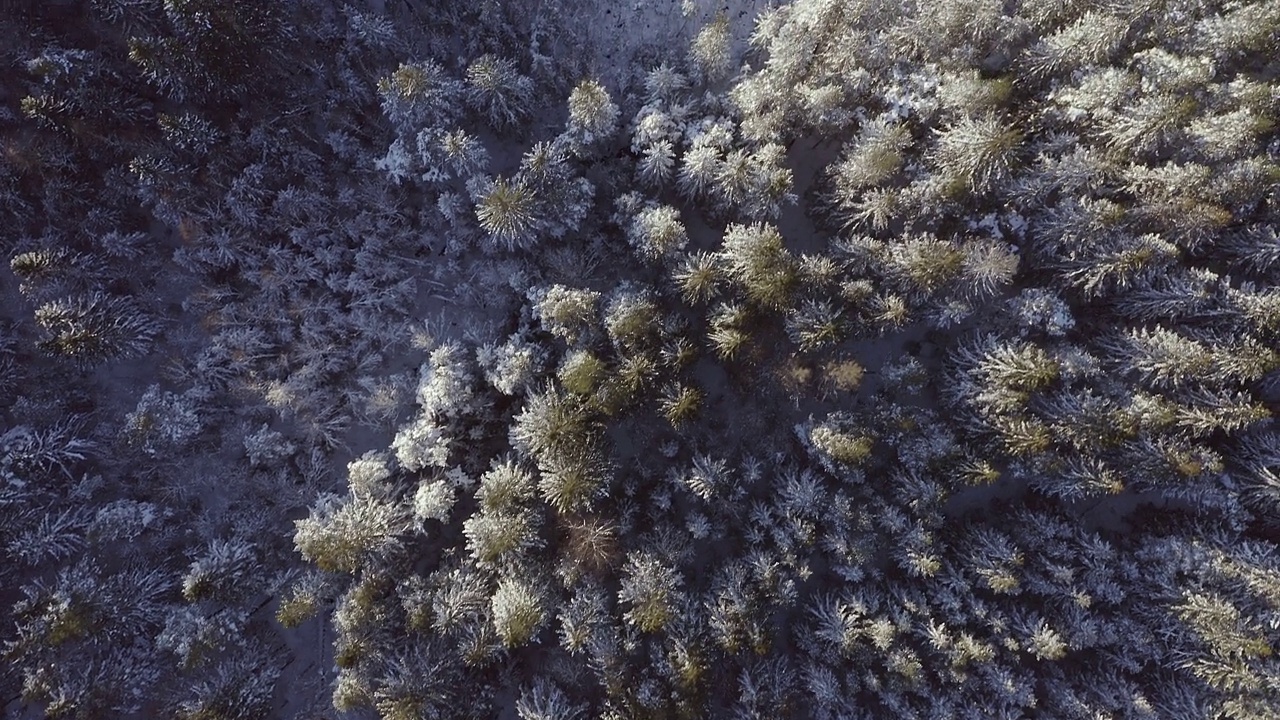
<point x="657" y="233"/>
<point x="1126" y="263"/>
<point x="650" y="591"/>
<point x="1142" y="129"/>
<point x="980" y="152"/>
<point x="868" y="162"/>
<point x="755" y="258"/>
<point x="765" y="689"/>
<point x="213" y="50"/>
<point x="664" y="84"/>
<point x="434" y="499"/>
<point x="567" y="313"/>
<point x="679" y="403"/>
<point x="699" y="169"/>
<point x="45" y="274"/>
<point x="697" y="277"/>
<point x="512" y="366"/>
<point x="25" y="451"/>
<point x="593" y="117"/>
<point x="419" y="95"/>
<point x="419" y="680"/>
<point x="590" y="546"/>
<point x="496" y="89"/>
<point x="226" y="572"/>
<point x="1091" y="39"/>
<point x="238" y="689"/>
<point x="94" y="328"/>
<point x="303" y="599"/>
<point x="989" y="267"/>
<point x="520" y="609"/>
<point x="507" y="210"/>
<point x="500" y="538"/>
<point x="552" y="423"/>
<point x="465" y="155"/>
<point x="581" y="372"/>
<point x="710" y="54"/>
<point x="545" y="701"/>
<point x="657" y="163"/>
<point x="341" y="534"/>
<point x="631" y="318"/>
<point x="1208" y="412"/>
<point x="573" y="478"/>
<point x="815" y="325"/>
<point x="505" y="485"/>
<point x="925" y="265"/>
<point x="1162" y="357"/>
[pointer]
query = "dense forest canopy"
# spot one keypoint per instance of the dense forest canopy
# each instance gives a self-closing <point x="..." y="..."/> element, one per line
<point x="568" y="359"/>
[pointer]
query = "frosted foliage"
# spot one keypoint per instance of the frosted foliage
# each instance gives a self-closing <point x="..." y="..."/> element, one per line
<point x="658" y="232"/>
<point x="398" y="163"/>
<point x="757" y="259"/>
<point x="979" y="151"/>
<point x="649" y="592"/>
<point x="699" y="169"/>
<point x="463" y="154"/>
<point x="630" y="316"/>
<point x="367" y="475"/>
<point x="497" y="89"/>
<point x="1090" y="40"/>
<point x="1229" y="134"/>
<point x="192" y="636"/>
<point x="657" y="163"/>
<point x="419" y="94"/>
<point x="370" y="28"/>
<point x="1046" y="643"/>
<point x="653" y="126"/>
<point x="564" y="312"/>
<point x="710" y="478"/>
<point x="446" y="387"/>
<point x="970" y="93"/>
<point x="506" y="210"/>
<point x="511" y="366"/>
<point x="872" y="159"/>
<point x="505" y="485"/>
<point x="268" y="448"/>
<point x="124" y="520"/>
<point x="518" y="611"/>
<point x="715" y="133"/>
<point x="1042" y="310"/>
<point x="446" y="391"/>
<point x="1169" y="71"/>
<point x="1098" y="93"/>
<point x="900" y="360"/>
<point x="664" y="83"/>
<point x="225" y="569"/>
<point x="989" y="266"/>
<point x="340" y="534"/>
<point x="545" y="701"/>
<point x="241" y="683"/>
<point x="699" y="526"/>
<point x="421" y="443"/>
<point x="433" y="500"/>
<point x="90" y="328"/>
<point x="498" y="536"/>
<point x="593" y="116"/>
<point x="711" y="52"/>
<point x="163" y="421"/>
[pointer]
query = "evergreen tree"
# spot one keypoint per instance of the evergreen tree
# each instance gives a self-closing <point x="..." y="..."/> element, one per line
<point x="93" y="328"/>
